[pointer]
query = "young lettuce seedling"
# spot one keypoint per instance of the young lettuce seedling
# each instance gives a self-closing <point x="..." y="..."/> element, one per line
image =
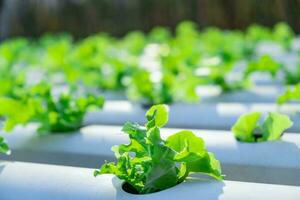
<point x="247" y="129"/>
<point x="169" y="89"/>
<point x="10" y="77"/>
<point x="3" y="146"/>
<point x="265" y="64"/>
<point x="63" y="113"/>
<point x="283" y="34"/>
<point x="150" y="164"/>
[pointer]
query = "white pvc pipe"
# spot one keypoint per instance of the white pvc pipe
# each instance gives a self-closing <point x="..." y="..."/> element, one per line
<point x="211" y="93"/>
<point x="258" y="94"/>
<point x="194" y="189"/>
<point x="219" y="116"/>
<point x="19" y="181"/>
<point x="268" y="162"/>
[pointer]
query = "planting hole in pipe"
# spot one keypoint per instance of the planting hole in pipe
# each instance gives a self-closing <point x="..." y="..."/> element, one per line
<point x="129" y="188"/>
<point x="248" y="129"/>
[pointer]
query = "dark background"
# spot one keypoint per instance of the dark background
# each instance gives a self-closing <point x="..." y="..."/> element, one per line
<point x="83" y="17"/>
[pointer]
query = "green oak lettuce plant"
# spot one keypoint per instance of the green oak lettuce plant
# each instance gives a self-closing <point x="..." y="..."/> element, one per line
<point x="183" y="49"/>
<point x="61" y="113"/>
<point x="248" y="129"/>
<point x="10" y="83"/>
<point x="11" y="51"/>
<point x="230" y="46"/>
<point x="150" y="164"/>
<point x="134" y="42"/>
<point x="147" y="91"/>
<point x="191" y="49"/>
<point x="149" y="88"/>
<point x="159" y="35"/>
<point x="55" y="50"/>
<point x="99" y="62"/>
<point x="264" y="64"/>
<point x="219" y="75"/>
<point x="257" y="33"/>
<point x="283" y="34"/>
<point x="11" y="76"/>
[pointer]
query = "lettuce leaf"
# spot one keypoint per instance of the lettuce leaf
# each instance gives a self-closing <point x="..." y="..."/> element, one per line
<point x="244" y="127"/>
<point x="193" y="156"/>
<point x="274" y="125"/>
<point x="292" y="93"/>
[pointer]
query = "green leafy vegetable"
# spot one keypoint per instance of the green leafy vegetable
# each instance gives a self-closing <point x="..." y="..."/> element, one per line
<point x="16" y="111"/>
<point x="191" y="153"/>
<point x="264" y="64"/>
<point x="151" y="88"/>
<point x="149" y="163"/>
<point x="218" y="76"/>
<point x="133" y="42"/>
<point x="124" y="65"/>
<point x="3" y="146"/>
<point x="257" y="33"/>
<point x="292" y="75"/>
<point x="290" y="94"/>
<point x="230" y="46"/>
<point x="247" y="128"/>
<point x="143" y="88"/>
<point x="11" y="76"/>
<point x="161" y="114"/>
<point x="283" y="34"/>
<point x="159" y="35"/>
<point x="60" y="113"/>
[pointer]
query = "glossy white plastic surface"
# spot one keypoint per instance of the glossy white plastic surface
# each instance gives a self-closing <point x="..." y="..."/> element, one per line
<point x="212" y="115"/>
<point x="268" y="162"/>
<point x="19" y="181"/>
